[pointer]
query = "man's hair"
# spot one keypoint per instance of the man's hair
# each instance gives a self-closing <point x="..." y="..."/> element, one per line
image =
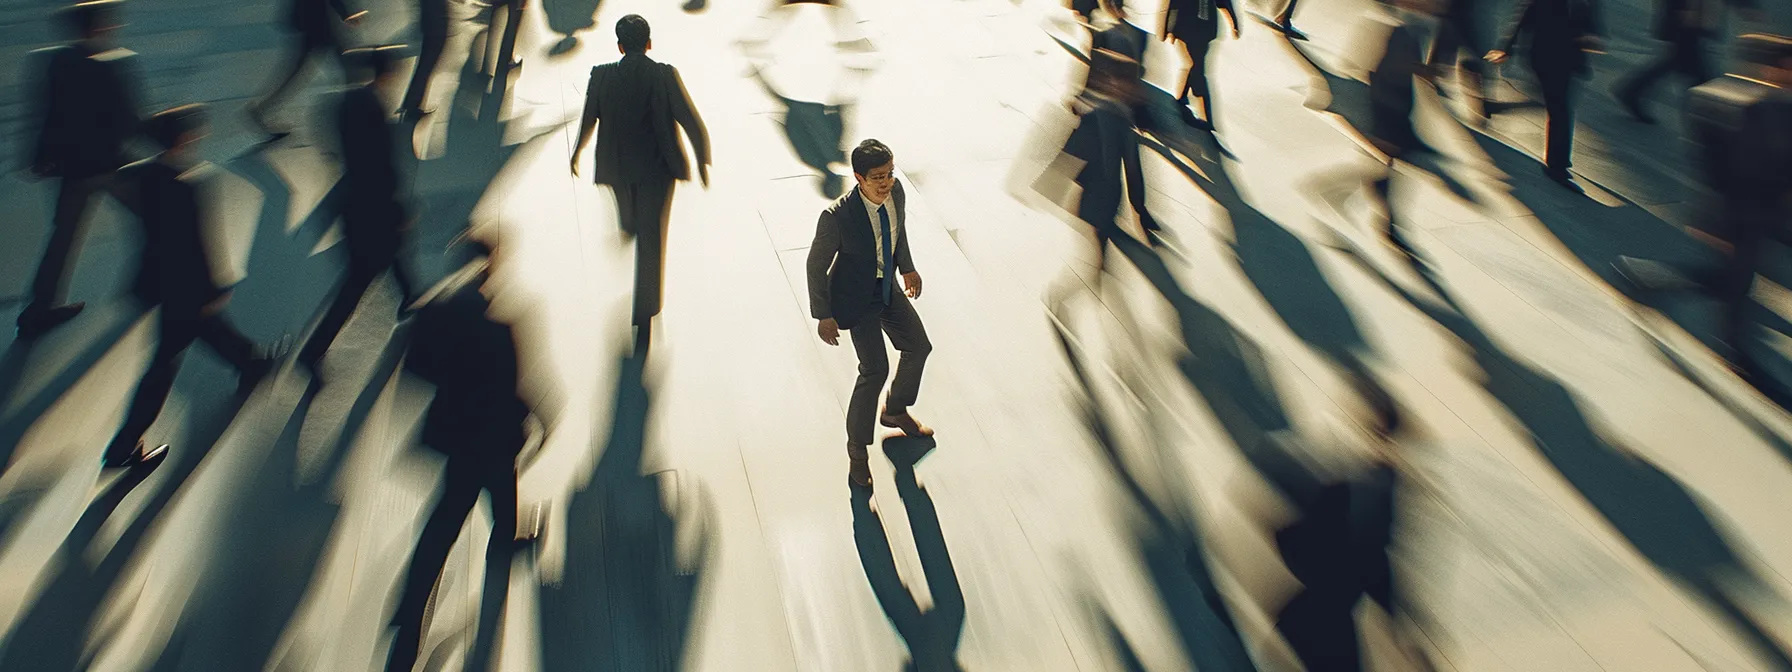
<point x="166" y="128"/>
<point x="373" y="62"/>
<point x="870" y="154"/>
<point x="86" y="17"/>
<point x="633" y="33"/>
<point x="1764" y="49"/>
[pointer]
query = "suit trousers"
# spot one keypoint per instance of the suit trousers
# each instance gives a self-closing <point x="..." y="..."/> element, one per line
<point x="363" y="269"/>
<point x="180" y="326"/>
<point x="466" y="475"/>
<point x="432" y="26"/>
<point x="903" y="325"/>
<point x="1558" y="106"/>
<point x="74" y="200"/>
<point x="643" y="209"/>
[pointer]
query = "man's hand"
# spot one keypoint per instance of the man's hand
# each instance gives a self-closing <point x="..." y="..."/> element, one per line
<point x="911" y="283"/>
<point x="575" y="164"/>
<point x="829" y="330"/>
<point x="355" y="19"/>
<point x="1496" y="56"/>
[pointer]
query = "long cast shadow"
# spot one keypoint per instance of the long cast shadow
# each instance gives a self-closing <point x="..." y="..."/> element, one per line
<point x="1653" y="511"/>
<point x="932" y="635"/>
<point x="625" y="604"/>
<point x="77" y="350"/>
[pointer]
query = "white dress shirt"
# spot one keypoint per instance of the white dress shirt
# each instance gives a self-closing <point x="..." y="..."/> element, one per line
<point x="877" y="233"/>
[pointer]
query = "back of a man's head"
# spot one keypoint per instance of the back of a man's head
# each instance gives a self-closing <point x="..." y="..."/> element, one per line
<point x="86" y="19"/>
<point x="633" y="34"/>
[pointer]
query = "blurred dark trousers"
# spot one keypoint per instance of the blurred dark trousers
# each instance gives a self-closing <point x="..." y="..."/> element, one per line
<point x="74" y="201"/>
<point x="467" y="474"/>
<point x="1686" y="54"/>
<point x="643" y="209"/>
<point x="180" y="326"/>
<point x="432" y="26"/>
<point x="903" y="325"/>
<point x="1558" y="86"/>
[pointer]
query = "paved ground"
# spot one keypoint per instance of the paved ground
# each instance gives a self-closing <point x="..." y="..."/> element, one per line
<point x="1592" y="490"/>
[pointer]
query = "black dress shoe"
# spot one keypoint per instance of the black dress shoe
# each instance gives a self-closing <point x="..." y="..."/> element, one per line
<point x="859" y="474"/>
<point x="138" y="457"/>
<point x="39" y="319"/>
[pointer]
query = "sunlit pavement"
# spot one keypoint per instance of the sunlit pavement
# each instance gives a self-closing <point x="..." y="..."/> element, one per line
<point x="1601" y="498"/>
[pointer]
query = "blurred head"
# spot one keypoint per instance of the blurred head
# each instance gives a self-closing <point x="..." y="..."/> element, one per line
<point x="177" y="129"/>
<point x="92" y="20"/>
<point x="633" y="35"/>
<point x="1770" y="55"/>
<point x="874" y="166"/>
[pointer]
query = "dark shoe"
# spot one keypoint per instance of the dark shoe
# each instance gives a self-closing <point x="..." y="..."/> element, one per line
<point x="139" y="457"/>
<point x="36" y="320"/>
<point x="1560" y="176"/>
<point x="858" y="475"/>
<point x="907" y="423"/>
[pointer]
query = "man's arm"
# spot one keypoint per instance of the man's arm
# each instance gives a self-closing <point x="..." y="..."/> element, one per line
<point x="42" y="87"/>
<point x="685" y="113"/>
<point x="587" y="121"/>
<point x="1517" y="21"/>
<point x="904" y="261"/>
<point x="821" y="257"/>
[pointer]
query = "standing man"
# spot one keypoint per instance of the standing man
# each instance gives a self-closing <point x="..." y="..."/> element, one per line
<point x="86" y="111"/>
<point x="860" y="245"/>
<point x="374" y="217"/>
<point x="1684" y="25"/>
<point x="1562" y="33"/>
<point x="639" y="155"/>
<point x="176" y="274"/>
<point x="316" y="37"/>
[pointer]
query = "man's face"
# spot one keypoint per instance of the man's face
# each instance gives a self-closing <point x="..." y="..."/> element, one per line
<point x="877" y="182"/>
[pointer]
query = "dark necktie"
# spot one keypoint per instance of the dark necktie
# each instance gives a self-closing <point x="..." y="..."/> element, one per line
<point x="883" y="217"/>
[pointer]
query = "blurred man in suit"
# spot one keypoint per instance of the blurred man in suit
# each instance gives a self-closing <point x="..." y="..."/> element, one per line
<point x="1459" y="45"/>
<point x="477" y="420"/>
<point x="860" y="245"/>
<point x="316" y="33"/>
<point x="86" y="109"/>
<point x="1562" y="33"/>
<point x="374" y="216"/>
<point x="1684" y="25"/>
<point x="1742" y="124"/>
<point x="176" y="274"/>
<point x="432" y="29"/>
<point x="639" y="155"/>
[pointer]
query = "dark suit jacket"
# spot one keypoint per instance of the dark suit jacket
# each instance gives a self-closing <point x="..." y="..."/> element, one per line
<point x="1678" y="20"/>
<point x="313" y="16"/>
<point x="372" y="198"/>
<point x="472" y="361"/>
<point x="638" y="100"/>
<point x="86" y="110"/>
<point x="175" y="269"/>
<point x="1743" y="130"/>
<point x="1558" y="30"/>
<point x="843" y="259"/>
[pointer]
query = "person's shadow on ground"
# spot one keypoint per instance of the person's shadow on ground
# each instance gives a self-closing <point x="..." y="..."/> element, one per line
<point x="625" y="602"/>
<point x="932" y="635"/>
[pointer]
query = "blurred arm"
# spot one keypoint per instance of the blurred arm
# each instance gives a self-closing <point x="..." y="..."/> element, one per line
<point x="685" y="113"/>
<point x="821" y="257"/>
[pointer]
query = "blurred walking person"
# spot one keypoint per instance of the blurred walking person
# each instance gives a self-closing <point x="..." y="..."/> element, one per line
<point x="1196" y="24"/>
<point x="375" y="219"/>
<point x="477" y="420"/>
<point x="432" y="36"/>
<point x="175" y="274"/>
<point x="1458" y="46"/>
<point x="1684" y="25"/>
<point x="639" y="155"/>
<point x="316" y="35"/>
<point x="1561" y="35"/>
<point x="86" y="111"/>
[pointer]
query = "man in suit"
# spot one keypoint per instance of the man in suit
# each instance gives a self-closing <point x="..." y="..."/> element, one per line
<point x="1562" y="33"/>
<point x="317" y="37"/>
<point x="639" y="155"/>
<point x="861" y="243"/>
<point x="374" y="217"/>
<point x="86" y="111"/>
<point x="1743" y="126"/>
<point x="175" y="273"/>
<point x="1684" y="25"/>
<point x="477" y="420"/>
